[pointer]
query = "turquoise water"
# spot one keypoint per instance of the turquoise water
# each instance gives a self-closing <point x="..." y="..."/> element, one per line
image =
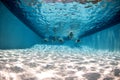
<point x="39" y="41"/>
<point x="84" y="19"/>
<point x="56" y="21"/>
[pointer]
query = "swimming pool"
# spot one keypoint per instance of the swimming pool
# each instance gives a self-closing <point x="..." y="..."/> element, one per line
<point x="72" y="43"/>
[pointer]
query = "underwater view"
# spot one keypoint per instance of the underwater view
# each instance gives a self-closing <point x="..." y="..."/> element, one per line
<point x="59" y="39"/>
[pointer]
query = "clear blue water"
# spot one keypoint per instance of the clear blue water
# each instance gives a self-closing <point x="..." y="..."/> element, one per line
<point x="24" y="55"/>
<point x="61" y="17"/>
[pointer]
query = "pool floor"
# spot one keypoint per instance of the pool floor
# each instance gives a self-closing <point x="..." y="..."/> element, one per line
<point x="38" y="64"/>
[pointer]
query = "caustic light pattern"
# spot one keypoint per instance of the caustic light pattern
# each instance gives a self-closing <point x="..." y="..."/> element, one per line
<point x="43" y="62"/>
<point x="63" y="20"/>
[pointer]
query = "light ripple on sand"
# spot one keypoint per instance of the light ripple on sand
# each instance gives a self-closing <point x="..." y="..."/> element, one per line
<point x="43" y="62"/>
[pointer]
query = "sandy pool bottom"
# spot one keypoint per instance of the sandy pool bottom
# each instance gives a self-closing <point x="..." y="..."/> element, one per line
<point x="59" y="63"/>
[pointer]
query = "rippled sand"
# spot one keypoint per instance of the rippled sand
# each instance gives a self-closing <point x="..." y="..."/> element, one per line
<point x="43" y="62"/>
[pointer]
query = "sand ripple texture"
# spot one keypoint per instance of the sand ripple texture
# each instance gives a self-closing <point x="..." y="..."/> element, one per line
<point x="43" y="62"/>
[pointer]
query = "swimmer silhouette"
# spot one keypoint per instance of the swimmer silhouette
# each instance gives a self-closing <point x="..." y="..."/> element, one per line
<point x="78" y="40"/>
<point x="39" y="15"/>
<point x="61" y="40"/>
<point x="71" y="35"/>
